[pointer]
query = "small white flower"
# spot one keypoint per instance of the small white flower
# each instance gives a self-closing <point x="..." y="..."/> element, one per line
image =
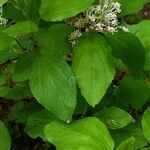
<point x="68" y="121"/>
<point x="117" y="6"/>
<point x="124" y="29"/>
<point x="76" y="34"/>
<point x="3" y="21"/>
<point x="114" y="23"/>
<point x="111" y="29"/>
<point x="99" y="27"/>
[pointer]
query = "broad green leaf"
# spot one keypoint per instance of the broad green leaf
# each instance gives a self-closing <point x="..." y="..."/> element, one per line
<point x="128" y="48"/>
<point x="114" y="117"/>
<point x="93" y="67"/>
<point x="131" y="6"/>
<point x="54" y="41"/>
<point x="133" y="91"/>
<point x="21" y="28"/>
<point x="146" y="124"/>
<point x="141" y="30"/>
<point x="61" y="9"/>
<point x="23" y="66"/>
<point x="84" y="134"/>
<point x="36" y="122"/>
<point x="53" y="85"/>
<point x="128" y="144"/>
<point x="5" y="141"/>
<point x="132" y="130"/>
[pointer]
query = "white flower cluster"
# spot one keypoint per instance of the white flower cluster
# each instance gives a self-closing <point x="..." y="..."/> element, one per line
<point x="74" y="35"/>
<point x="103" y="17"/>
<point x="2" y="20"/>
<point x="98" y="18"/>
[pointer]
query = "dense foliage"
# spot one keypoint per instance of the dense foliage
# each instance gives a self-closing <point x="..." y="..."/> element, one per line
<point x="74" y="75"/>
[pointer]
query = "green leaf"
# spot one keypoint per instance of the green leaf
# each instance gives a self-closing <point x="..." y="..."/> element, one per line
<point x="129" y="6"/>
<point x="5" y="41"/>
<point x="82" y="105"/>
<point x="147" y="148"/>
<point x="85" y="134"/>
<point x="21" y="111"/>
<point x="20" y="10"/>
<point x="30" y="8"/>
<point x="11" y="12"/>
<point x="36" y="122"/>
<point x="128" y="48"/>
<point x="18" y="92"/>
<point x="128" y="144"/>
<point x="141" y="30"/>
<point x="132" y="130"/>
<point x="21" y="28"/>
<point x="147" y="62"/>
<point x="23" y="66"/>
<point x="61" y="9"/>
<point x="6" y="55"/>
<point x="114" y="117"/>
<point x="3" y="1"/>
<point x="93" y="67"/>
<point x="54" y="41"/>
<point x="133" y="91"/>
<point x="10" y="52"/>
<point x="53" y="85"/>
<point x="5" y="141"/>
<point x="3" y="77"/>
<point x="146" y="124"/>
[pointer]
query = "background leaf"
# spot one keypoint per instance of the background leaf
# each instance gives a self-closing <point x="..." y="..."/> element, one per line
<point x="53" y="41"/>
<point x="128" y="48"/>
<point x="36" y="122"/>
<point x="129" y="6"/>
<point x="21" y="111"/>
<point x="132" y="130"/>
<point x="5" y="41"/>
<point x="21" y="28"/>
<point x="3" y="1"/>
<point x="146" y="124"/>
<point x="114" y="117"/>
<point x="133" y="91"/>
<point x="129" y="144"/>
<point x="21" y="10"/>
<point x="5" y="141"/>
<point x="141" y="30"/>
<point x="23" y="66"/>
